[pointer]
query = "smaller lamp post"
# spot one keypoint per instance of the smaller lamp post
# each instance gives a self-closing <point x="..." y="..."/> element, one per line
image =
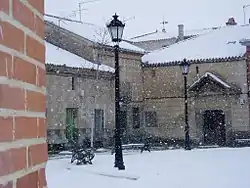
<point x="185" y="70"/>
<point x="115" y="28"/>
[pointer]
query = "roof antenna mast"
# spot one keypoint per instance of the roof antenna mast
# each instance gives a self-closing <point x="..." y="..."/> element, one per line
<point x="164" y="22"/>
<point x="80" y="6"/>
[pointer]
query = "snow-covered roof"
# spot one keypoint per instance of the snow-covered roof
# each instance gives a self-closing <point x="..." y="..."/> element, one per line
<point x="220" y="43"/>
<point x="128" y="46"/>
<point x="245" y="42"/>
<point x="202" y="31"/>
<point x="58" y="56"/>
<point x="160" y="35"/>
<point x="157" y="35"/>
<point x="215" y="78"/>
<point x="93" y="32"/>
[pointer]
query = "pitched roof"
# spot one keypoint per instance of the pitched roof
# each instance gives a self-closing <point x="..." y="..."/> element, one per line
<point x="215" y="78"/>
<point x="156" y="35"/>
<point x="210" y="76"/>
<point x="221" y="44"/>
<point x="93" y="33"/>
<point x="160" y="35"/>
<point x="58" y="56"/>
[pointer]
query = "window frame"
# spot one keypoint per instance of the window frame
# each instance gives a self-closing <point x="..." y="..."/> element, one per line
<point x="147" y="116"/>
<point x="136" y="125"/>
<point x="73" y="83"/>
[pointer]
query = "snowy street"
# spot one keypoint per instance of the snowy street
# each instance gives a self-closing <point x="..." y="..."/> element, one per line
<point x="204" y="168"/>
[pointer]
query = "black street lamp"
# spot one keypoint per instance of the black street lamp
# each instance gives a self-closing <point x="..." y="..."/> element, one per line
<point x="185" y="69"/>
<point x="115" y="28"/>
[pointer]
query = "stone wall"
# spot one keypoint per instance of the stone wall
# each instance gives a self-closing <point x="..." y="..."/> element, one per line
<point x="130" y="62"/>
<point x="23" y="148"/>
<point x="131" y="80"/>
<point x="130" y="71"/>
<point x="170" y="80"/>
<point x="89" y="94"/>
<point x="163" y="90"/>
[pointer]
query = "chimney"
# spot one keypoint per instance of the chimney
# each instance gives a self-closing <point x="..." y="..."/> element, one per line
<point x="181" y="32"/>
<point x="246" y="43"/>
<point x="231" y="21"/>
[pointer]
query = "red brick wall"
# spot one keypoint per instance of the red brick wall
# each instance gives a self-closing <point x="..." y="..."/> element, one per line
<point x="23" y="148"/>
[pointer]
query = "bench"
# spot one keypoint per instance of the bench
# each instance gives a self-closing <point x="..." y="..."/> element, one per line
<point x="138" y="146"/>
<point x="242" y="142"/>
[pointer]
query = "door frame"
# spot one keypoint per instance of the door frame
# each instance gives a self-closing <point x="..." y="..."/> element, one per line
<point x="219" y="140"/>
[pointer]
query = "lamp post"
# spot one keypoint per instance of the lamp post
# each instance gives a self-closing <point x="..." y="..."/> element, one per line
<point x="115" y="28"/>
<point x="185" y="69"/>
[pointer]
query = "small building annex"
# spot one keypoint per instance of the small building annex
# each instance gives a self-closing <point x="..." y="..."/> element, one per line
<point x="79" y="93"/>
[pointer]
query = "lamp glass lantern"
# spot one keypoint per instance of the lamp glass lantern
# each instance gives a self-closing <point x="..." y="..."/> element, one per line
<point x="115" y="28"/>
<point x="184" y="65"/>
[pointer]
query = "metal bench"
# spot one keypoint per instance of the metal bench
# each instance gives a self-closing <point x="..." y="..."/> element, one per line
<point x="242" y="142"/>
<point x="138" y="146"/>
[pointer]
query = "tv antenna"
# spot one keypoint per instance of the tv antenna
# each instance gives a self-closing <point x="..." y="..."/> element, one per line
<point x="80" y="7"/>
<point x="67" y="19"/>
<point x="164" y="22"/>
<point x="128" y="19"/>
<point x="62" y="18"/>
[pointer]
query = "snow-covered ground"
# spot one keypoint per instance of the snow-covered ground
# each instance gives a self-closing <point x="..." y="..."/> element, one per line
<point x="204" y="168"/>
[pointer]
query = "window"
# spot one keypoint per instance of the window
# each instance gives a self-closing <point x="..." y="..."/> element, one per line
<point x="123" y="119"/>
<point x="73" y="83"/>
<point x="126" y="92"/>
<point x="150" y="119"/>
<point x="57" y="132"/>
<point x="153" y="73"/>
<point x="136" y="118"/>
<point x="71" y="116"/>
<point x="99" y="122"/>
<point x="71" y="131"/>
<point x="197" y="70"/>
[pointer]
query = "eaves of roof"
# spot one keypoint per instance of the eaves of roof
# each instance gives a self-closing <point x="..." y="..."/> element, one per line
<point x="195" y="61"/>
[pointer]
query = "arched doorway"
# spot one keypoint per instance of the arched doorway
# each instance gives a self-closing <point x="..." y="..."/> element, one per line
<point x="214" y="128"/>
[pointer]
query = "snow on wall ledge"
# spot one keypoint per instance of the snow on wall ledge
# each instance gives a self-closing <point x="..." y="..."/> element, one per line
<point x="220" y="43"/>
<point x="58" y="56"/>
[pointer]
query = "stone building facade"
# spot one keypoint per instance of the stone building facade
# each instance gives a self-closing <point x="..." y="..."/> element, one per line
<point x="131" y="87"/>
<point x="218" y="89"/>
<point x="152" y="101"/>
<point x="23" y="148"/>
<point x="130" y="78"/>
<point x="78" y="93"/>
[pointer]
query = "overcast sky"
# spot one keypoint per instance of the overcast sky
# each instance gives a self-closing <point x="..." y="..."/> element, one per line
<point x="194" y="14"/>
